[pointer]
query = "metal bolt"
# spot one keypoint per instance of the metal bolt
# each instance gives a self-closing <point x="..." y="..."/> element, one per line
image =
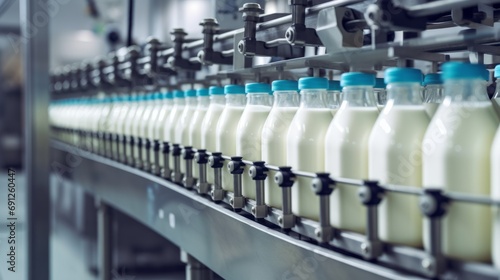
<point x="212" y="193"/>
<point x="318" y="233"/>
<point x="365" y="248"/>
<point x="427" y="264"/>
<point x="280" y="220"/>
<point x="253" y="210"/>
<point x="241" y="47"/>
<point x="231" y="201"/>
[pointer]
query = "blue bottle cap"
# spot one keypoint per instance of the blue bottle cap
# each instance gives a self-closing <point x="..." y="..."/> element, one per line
<point x="168" y="95"/>
<point x="497" y="71"/>
<point x="313" y="83"/>
<point x="190" y="93"/>
<point x="234" y="89"/>
<point x="213" y="90"/>
<point x="380" y="83"/>
<point x="357" y="79"/>
<point x="158" y="95"/>
<point x="403" y="75"/>
<point x="432" y="79"/>
<point x="202" y="92"/>
<point x="461" y="70"/>
<point x="257" y="88"/>
<point x="178" y="94"/>
<point x="282" y="85"/>
<point x="334" y="85"/>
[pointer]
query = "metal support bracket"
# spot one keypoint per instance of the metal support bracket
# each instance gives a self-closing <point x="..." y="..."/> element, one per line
<point x="371" y="195"/>
<point x="322" y="186"/>
<point x="258" y="172"/>
<point x="188" y="155"/>
<point x="201" y="158"/>
<point x="236" y="167"/>
<point x="216" y="162"/>
<point x="285" y="179"/>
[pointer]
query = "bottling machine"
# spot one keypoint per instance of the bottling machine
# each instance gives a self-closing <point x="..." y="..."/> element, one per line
<point x="240" y="238"/>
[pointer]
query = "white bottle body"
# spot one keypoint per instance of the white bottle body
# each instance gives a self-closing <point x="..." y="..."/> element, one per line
<point x="495" y="193"/>
<point x="346" y="148"/>
<point x="274" y="142"/>
<point x="208" y="133"/>
<point x="248" y="142"/>
<point x="306" y="152"/>
<point x="457" y="157"/>
<point x="226" y="139"/>
<point x="395" y="157"/>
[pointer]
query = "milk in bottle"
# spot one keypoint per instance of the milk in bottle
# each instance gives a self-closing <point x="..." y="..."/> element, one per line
<point x="496" y="96"/>
<point x="129" y="127"/>
<point x="226" y="129"/>
<point x="305" y="143"/>
<point x="456" y="157"/>
<point x="395" y="156"/>
<point x="120" y="126"/>
<point x="380" y="93"/>
<point x="274" y="132"/>
<point x="433" y="93"/>
<point x="495" y="193"/>
<point x="136" y="126"/>
<point x="182" y="124"/>
<point x="148" y="117"/>
<point x="249" y="131"/>
<point x="333" y="96"/>
<point x="209" y="125"/>
<point x="346" y="148"/>
<point x="169" y="133"/>
<point x="159" y="127"/>
<point x="195" y="125"/>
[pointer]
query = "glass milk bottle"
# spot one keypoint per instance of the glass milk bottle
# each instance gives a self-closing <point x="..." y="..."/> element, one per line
<point x="433" y="93"/>
<point x="305" y="143"/>
<point x="196" y="123"/>
<point x="182" y="126"/>
<point x="456" y="157"/>
<point x="173" y="118"/>
<point x="395" y="156"/>
<point x="274" y="132"/>
<point x="496" y="96"/>
<point x="333" y="96"/>
<point x="346" y="148"/>
<point x="380" y="93"/>
<point x="226" y="129"/>
<point x="249" y="131"/>
<point x="159" y="126"/>
<point x="495" y="193"/>
<point x="209" y="125"/>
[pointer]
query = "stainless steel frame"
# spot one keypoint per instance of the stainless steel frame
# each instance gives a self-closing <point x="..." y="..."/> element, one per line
<point x="34" y="43"/>
<point x="228" y="243"/>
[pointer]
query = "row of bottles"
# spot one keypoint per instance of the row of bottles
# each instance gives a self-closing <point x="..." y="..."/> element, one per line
<point x="442" y="136"/>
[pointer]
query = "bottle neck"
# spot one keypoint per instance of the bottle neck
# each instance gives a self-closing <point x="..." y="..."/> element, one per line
<point x="433" y="93"/>
<point x="466" y="90"/>
<point x="358" y="96"/>
<point x="168" y="101"/>
<point x="179" y="101"/>
<point x="313" y="98"/>
<point x="497" y="90"/>
<point x="286" y="99"/>
<point x="217" y="99"/>
<point x="238" y="100"/>
<point x="404" y="94"/>
<point x="191" y="101"/>
<point x="333" y="99"/>
<point x="259" y="99"/>
<point x="203" y="101"/>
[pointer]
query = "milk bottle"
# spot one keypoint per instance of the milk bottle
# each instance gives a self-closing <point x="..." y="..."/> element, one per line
<point x="346" y="148"/>
<point x="158" y="128"/>
<point x="395" y="156"/>
<point x="249" y="131"/>
<point x="495" y="192"/>
<point x="129" y="126"/>
<point x="169" y="132"/>
<point x="150" y="113"/>
<point x="226" y="129"/>
<point x="209" y="125"/>
<point x="333" y="96"/>
<point x="433" y="93"/>
<point x="182" y="124"/>
<point x="456" y="150"/>
<point x="305" y="143"/>
<point x="121" y="123"/>
<point x="136" y="124"/>
<point x="195" y="125"/>
<point x="496" y="97"/>
<point x="380" y="93"/>
<point x="274" y="132"/>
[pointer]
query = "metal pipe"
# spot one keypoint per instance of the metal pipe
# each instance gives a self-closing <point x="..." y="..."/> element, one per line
<point x="437" y="7"/>
<point x="104" y="251"/>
